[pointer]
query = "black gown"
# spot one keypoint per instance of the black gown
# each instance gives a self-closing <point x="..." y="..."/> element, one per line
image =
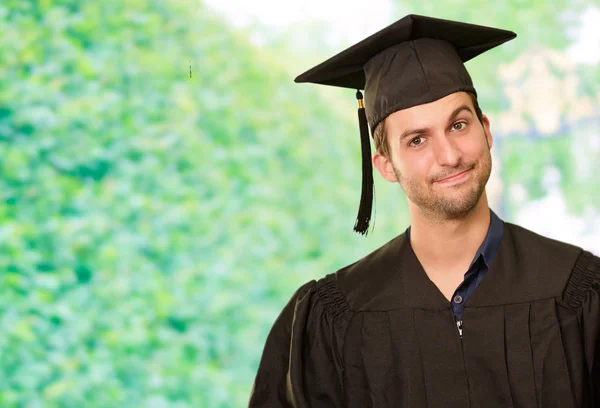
<point x="379" y="333"/>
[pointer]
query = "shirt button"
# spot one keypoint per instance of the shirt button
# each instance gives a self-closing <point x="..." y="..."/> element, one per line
<point x="458" y="299"/>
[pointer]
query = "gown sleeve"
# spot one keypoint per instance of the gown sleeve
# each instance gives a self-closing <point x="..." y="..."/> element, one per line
<point x="301" y="362"/>
<point x="583" y="294"/>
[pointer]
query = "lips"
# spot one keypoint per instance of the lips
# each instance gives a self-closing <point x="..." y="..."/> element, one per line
<point x="453" y="177"/>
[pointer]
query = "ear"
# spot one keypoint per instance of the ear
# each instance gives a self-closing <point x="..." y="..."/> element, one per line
<point x="486" y="126"/>
<point x="384" y="166"/>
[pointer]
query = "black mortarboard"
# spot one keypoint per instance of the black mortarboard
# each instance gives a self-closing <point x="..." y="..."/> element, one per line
<point x="414" y="61"/>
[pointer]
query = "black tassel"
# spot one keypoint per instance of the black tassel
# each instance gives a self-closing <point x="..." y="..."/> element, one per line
<point x="366" y="198"/>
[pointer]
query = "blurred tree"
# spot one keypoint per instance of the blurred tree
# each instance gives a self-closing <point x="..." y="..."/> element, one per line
<point x="154" y="223"/>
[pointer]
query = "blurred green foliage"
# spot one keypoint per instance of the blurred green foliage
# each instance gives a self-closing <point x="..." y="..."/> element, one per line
<point x="153" y="225"/>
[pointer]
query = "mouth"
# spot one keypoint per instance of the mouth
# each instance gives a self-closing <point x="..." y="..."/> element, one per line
<point x="455" y="178"/>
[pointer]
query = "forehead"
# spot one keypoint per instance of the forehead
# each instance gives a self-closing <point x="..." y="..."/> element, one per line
<point x="429" y="114"/>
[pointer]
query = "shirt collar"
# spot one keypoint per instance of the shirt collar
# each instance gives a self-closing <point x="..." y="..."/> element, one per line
<point x="491" y="243"/>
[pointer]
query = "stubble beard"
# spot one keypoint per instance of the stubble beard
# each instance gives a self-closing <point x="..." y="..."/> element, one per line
<point x="451" y="202"/>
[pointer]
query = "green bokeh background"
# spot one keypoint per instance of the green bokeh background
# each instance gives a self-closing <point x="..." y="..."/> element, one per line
<point x="153" y="225"/>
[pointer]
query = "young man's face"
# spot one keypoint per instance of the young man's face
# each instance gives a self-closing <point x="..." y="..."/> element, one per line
<point x="431" y="142"/>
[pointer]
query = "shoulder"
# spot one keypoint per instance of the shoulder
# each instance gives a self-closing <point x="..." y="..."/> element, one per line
<point x="584" y="279"/>
<point x="577" y="268"/>
<point x="529" y="241"/>
<point x="363" y="282"/>
<point x="320" y="299"/>
<point x="334" y="295"/>
<point x="381" y="259"/>
<point x="546" y="262"/>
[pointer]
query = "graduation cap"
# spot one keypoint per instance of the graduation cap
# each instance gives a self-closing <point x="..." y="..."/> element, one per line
<point x="414" y="61"/>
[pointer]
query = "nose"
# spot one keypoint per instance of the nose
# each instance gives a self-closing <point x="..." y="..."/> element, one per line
<point x="446" y="151"/>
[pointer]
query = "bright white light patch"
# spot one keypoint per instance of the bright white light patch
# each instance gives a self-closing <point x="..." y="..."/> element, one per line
<point x="587" y="38"/>
<point x="346" y="19"/>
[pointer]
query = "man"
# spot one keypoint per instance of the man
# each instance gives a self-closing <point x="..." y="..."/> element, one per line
<point x="462" y="309"/>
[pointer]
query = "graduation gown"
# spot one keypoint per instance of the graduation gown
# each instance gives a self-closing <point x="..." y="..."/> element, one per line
<point x="379" y="333"/>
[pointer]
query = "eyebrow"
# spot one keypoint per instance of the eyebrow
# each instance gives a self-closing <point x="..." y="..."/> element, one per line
<point x="452" y="116"/>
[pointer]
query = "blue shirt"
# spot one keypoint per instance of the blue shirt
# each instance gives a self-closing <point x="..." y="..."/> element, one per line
<point x="480" y="264"/>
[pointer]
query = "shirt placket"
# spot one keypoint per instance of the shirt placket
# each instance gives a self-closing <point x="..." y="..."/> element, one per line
<point x="462" y="293"/>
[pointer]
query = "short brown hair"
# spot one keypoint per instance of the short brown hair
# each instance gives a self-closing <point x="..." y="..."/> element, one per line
<point x="379" y="136"/>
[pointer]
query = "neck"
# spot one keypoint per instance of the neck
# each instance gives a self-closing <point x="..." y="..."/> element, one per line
<point x="442" y="242"/>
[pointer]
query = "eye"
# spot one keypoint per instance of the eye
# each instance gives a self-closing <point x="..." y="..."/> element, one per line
<point x="415" y="145"/>
<point x="454" y="127"/>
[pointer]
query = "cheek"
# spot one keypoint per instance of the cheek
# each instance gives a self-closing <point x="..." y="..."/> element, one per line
<point x="421" y="167"/>
<point x="474" y="150"/>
